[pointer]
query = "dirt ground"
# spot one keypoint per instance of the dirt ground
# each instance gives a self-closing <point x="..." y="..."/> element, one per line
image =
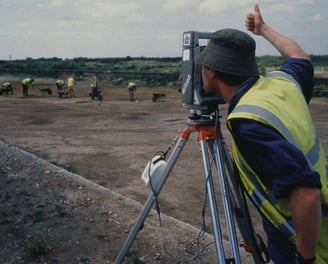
<point x="70" y="177"/>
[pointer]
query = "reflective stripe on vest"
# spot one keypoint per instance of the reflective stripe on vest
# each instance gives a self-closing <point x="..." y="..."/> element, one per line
<point x="312" y="155"/>
<point x="286" y="76"/>
<point x="260" y="197"/>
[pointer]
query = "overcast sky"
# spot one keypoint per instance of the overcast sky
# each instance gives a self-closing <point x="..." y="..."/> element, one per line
<point x="150" y="28"/>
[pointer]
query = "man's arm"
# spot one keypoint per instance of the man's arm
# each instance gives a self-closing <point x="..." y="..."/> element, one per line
<point x="304" y="203"/>
<point x="287" y="47"/>
<point x="305" y="207"/>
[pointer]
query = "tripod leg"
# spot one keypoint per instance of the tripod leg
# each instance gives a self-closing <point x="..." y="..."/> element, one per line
<point x="212" y="203"/>
<point x="150" y="201"/>
<point x="226" y="199"/>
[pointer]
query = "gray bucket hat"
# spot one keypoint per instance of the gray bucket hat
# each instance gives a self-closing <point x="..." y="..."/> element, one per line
<point x="230" y="51"/>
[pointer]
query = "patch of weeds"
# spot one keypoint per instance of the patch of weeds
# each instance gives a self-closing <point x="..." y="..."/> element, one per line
<point x="70" y="168"/>
<point x="24" y="193"/>
<point x="16" y="178"/>
<point x="5" y="221"/>
<point x="102" y="237"/>
<point x="83" y="259"/>
<point x="38" y="245"/>
<point x="5" y="216"/>
<point x="40" y="205"/>
<point x="38" y="216"/>
<point x="61" y="211"/>
<point x="208" y="229"/>
<point x="133" y="256"/>
<point x="3" y="212"/>
<point x="6" y="196"/>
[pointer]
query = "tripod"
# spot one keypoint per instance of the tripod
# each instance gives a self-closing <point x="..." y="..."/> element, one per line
<point x="233" y="199"/>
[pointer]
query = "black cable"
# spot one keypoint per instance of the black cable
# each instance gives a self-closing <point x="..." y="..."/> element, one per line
<point x="157" y="207"/>
<point x="195" y="254"/>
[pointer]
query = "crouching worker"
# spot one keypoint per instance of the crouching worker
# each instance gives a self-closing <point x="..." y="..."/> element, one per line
<point x="132" y="88"/>
<point x="26" y="84"/>
<point x="7" y="88"/>
<point x="61" y="89"/>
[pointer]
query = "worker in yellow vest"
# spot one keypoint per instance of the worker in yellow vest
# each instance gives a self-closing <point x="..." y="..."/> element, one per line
<point x="275" y="147"/>
<point x="94" y="87"/>
<point x="132" y="88"/>
<point x="26" y="84"/>
<point x="60" y="88"/>
<point x="70" y="86"/>
<point x="7" y="88"/>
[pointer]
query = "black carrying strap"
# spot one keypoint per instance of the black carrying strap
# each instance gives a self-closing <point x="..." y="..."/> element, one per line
<point x="252" y="242"/>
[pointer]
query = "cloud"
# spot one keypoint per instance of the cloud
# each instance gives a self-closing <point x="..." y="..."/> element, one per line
<point x="212" y="6"/>
<point x="67" y="28"/>
<point x="317" y="17"/>
<point x="109" y="9"/>
<point x="55" y="3"/>
<point x="176" y="4"/>
<point x="307" y="2"/>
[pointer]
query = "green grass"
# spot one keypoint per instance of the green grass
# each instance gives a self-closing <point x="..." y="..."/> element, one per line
<point x="15" y="178"/>
<point x="38" y="245"/>
<point x="69" y="167"/>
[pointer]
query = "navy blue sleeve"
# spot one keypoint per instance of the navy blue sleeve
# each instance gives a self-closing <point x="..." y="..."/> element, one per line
<point x="280" y="165"/>
<point x="303" y="72"/>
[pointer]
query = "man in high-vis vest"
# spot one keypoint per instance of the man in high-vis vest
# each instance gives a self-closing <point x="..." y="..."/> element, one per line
<point x="132" y="88"/>
<point x="6" y="88"/>
<point x="275" y="148"/>
<point x="94" y="87"/>
<point x="26" y="84"/>
<point x="70" y="86"/>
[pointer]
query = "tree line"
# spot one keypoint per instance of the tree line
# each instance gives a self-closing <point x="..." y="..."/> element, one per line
<point x="153" y="71"/>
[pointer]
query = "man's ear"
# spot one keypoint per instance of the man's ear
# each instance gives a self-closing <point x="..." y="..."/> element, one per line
<point x="211" y="73"/>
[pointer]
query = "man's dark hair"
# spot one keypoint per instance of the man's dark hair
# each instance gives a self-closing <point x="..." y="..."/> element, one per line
<point x="230" y="79"/>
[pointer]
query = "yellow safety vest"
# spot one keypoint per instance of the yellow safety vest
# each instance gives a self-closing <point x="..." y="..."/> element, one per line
<point x="70" y="82"/>
<point x="6" y="84"/>
<point x="94" y="82"/>
<point x="27" y="81"/>
<point x="282" y="107"/>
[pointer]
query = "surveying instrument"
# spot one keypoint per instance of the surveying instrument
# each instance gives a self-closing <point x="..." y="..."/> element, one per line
<point x="204" y="119"/>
